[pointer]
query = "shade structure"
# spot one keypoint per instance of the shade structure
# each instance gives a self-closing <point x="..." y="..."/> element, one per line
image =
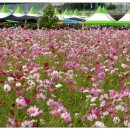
<point x="71" y="21"/>
<point x="19" y="12"/>
<point x="32" y="12"/>
<point x="125" y="20"/>
<point x="23" y="18"/>
<point x="76" y="13"/>
<point x="56" y="12"/>
<point x="58" y="15"/>
<point x="71" y="12"/>
<point x="126" y="17"/>
<point x="4" y="12"/>
<point x="84" y="15"/>
<point x="19" y="15"/>
<point x="109" y="16"/>
<point x="66" y="14"/>
<point x="100" y="17"/>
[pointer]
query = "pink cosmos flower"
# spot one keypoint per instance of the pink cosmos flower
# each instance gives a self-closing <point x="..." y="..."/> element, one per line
<point x="66" y="116"/>
<point x="12" y="122"/>
<point x="54" y="112"/>
<point x="21" y="102"/>
<point x="33" y="111"/>
<point x="82" y="89"/>
<point x="27" y="123"/>
<point x="92" y="117"/>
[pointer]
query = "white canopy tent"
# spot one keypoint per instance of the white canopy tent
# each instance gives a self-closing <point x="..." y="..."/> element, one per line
<point x="126" y="17"/>
<point x="100" y="15"/>
<point x="109" y="16"/>
<point x="4" y="12"/>
<point x="58" y="15"/>
<point x="66" y="14"/>
<point x="84" y="15"/>
<point x="32" y="13"/>
<point x="19" y="12"/>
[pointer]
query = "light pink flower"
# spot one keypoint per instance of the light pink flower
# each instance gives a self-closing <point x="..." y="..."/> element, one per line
<point x="21" y="102"/>
<point x="33" y="111"/>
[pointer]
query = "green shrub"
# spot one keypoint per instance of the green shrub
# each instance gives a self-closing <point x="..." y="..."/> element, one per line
<point x="47" y="18"/>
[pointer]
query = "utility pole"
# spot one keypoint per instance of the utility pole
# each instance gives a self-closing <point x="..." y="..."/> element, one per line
<point x="126" y="7"/>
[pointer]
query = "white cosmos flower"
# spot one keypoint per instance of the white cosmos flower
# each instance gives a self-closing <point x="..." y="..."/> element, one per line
<point x="10" y="79"/>
<point x="7" y="87"/>
<point x="55" y="72"/>
<point x="116" y="120"/>
<point x="105" y="113"/>
<point x="58" y="86"/>
<point x="123" y="66"/>
<point x="70" y="72"/>
<point x="93" y="99"/>
<point x="88" y="96"/>
<point x="99" y="124"/>
<point x="49" y="102"/>
<point x="18" y="84"/>
<point x="118" y="107"/>
<point x="93" y="104"/>
<point x="31" y="83"/>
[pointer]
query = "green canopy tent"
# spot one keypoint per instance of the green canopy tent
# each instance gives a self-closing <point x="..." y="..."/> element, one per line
<point x="19" y="12"/>
<point x="66" y="14"/>
<point x="100" y="17"/>
<point x="84" y="15"/>
<point x="4" y="12"/>
<point x="56" y="12"/>
<point x="108" y="15"/>
<point x="125" y="20"/>
<point x="32" y="12"/>
<point x="59" y="16"/>
<point x="76" y="13"/>
<point x="71" y="12"/>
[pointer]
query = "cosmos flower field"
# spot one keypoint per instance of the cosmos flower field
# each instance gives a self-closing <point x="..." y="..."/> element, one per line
<point x="64" y="78"/>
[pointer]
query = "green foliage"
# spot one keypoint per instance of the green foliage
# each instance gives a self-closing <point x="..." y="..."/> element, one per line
<point x="111" y="6"/>
<point x="47" y="18"/>
<point x="82" y="6"/>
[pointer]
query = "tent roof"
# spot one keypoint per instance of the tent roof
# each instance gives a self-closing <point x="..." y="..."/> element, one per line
<point x="128" y="11"/>
<point x="76" y="12"/>
<point x="101" y="10"/>
<point x="101" y="15"/>
<point x="19" y="10"/>
<point x="65" y="12"/>
<point x="104" y="10"/>
<point x="32" y="11"/>
<point x="84" y="13"/>
<point x="71" y="12"/>
<point x="56" y="11"/>
<point x="4" y="9"/>
<point x="126" y="17"/>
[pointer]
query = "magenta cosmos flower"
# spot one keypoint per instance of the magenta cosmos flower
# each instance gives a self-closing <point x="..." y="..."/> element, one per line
<point x="33" y="111"/>
<point x="72" y="88"/>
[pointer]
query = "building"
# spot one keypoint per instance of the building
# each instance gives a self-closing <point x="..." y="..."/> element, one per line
<point x="25" y="6"/>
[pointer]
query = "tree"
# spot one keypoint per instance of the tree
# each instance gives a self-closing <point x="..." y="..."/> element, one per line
<point x="47" y="18"/>
<point x="111" y="6"/>
<point x="82" y="6"/>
